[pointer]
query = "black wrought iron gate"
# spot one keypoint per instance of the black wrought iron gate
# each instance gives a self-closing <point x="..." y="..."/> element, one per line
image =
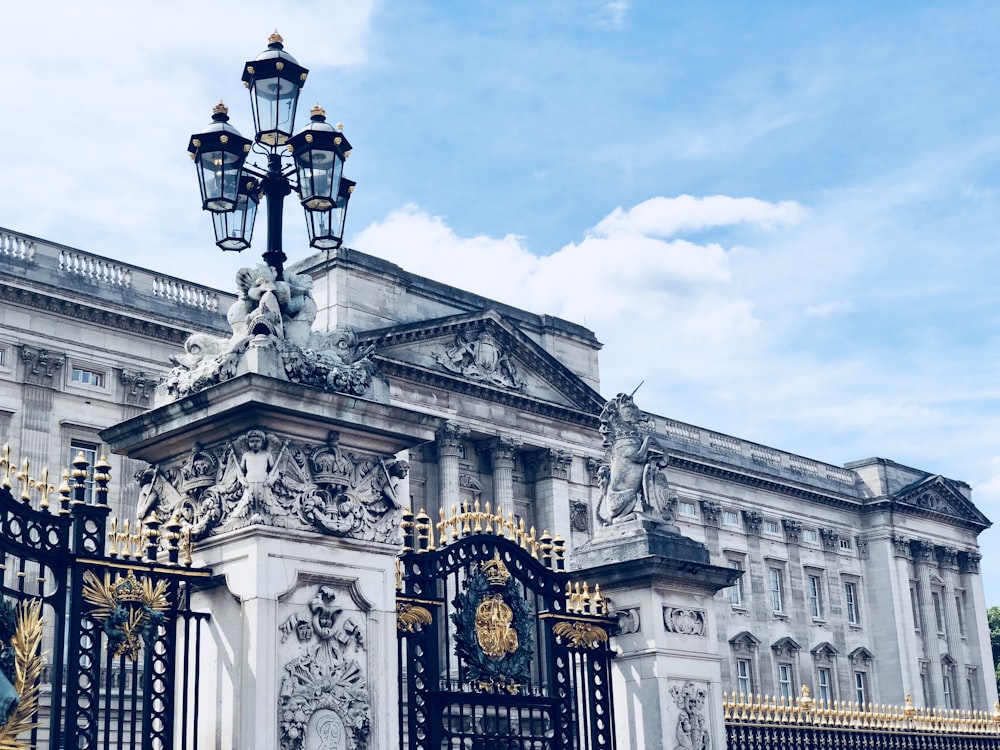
<point x="98" y="648"/>
<point x="497" y="650"/>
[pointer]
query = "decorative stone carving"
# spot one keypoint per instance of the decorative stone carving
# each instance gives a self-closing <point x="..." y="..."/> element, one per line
<point x="793" y="530"/>
<point x="579" y="515"/>
<point x="862" y="544"/>
<point x="684" y="621"/>
<point x="861" y="657"/>
<point x="274" y="315"/>
<point x="595" y="467"/>
<point x="824" y="653"/>
<point x="471" y="485"/>
<point x="754" y="522"/>
<point x="830" y="538"/>
<point x="628" y="621"/>
<point x="480" y="358"/>
<point x="258" y="478"/>
<point x="138" y="386"/>
<point x="692" y="732"/>
<point x="552" y="464"/>
<point x="323" y="696"/>
<point x="744" y="641"/>
<point x="785" y="647"/>
<point x="500" y="452"/>
<point x="968" y="561"/>
<point x="451" y="438"/>
<point x="711" y="512"/>
<point x="947" y="557"/>
<point x="41" y="365"/>
<point x="922" y="551"/>
<point x="633" y="481"/>
<point x="900" y="546"/>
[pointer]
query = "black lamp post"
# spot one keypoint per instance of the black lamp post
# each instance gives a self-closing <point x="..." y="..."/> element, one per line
<point x="231" y="187"/>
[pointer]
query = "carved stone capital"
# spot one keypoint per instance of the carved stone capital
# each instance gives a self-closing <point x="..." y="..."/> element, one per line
<point x="501" y="451"/>
<point x="711" y="512"/>
<point x="628" y="621"/>
<point x="450" y="438"/>
<point x="922" y="551"/>
<point x="754" y="522"/>
<point x="968" y="562"/>
<point x="830" y="538"/>
<point x="41" y="366"/>
<point x="901" y="546"/>
<point x="138" y="386"/>
<point x="594" y="466"/>
<point x="862" y="545"/>
<point x="793" y="530"/>
<point x="552" y="464"/>
<point x="947" y="557"/>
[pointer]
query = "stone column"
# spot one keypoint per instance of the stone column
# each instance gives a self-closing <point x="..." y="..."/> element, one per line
<point x="922" y="556"/>
<point x="501" y="452"/>
<point x="449" y="447"/>
<point x="947" y="558"/>
<point x="552" y="511"/>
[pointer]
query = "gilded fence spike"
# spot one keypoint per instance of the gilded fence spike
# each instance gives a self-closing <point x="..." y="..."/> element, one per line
<point x="479" y="518"/>
<point x="5" y="467"/>
<point x="24" y="479"/>
<point x="64" y="493"/>
<point x="466" y="528"/>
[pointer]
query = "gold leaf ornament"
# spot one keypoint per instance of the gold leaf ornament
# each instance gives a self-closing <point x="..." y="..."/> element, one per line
<point x="28" y="663"/>
<point x="126" y="608"/>
<point x="410" y="618"/>
<point x="581" y="634"/>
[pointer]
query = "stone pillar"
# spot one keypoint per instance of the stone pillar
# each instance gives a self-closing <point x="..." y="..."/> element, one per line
<point x="449" y="445"/>
<point x="502" y="451"/>
<point x="662" y="586"/>
<point x="300" y="527"/>
<point x="922" y="556"/>
<point x="552" y="509"/>
<point x="977" y="628"/>
<point x="948" y="565"/>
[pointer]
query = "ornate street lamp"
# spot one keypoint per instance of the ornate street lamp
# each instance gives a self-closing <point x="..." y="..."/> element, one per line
<point x="231" y="184"/>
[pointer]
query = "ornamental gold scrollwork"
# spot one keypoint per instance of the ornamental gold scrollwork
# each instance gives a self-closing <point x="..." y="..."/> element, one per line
<point x="581" y="634"/>
<point x="129" y="609"/>
<point x="410" y="618"/>
<point x="20" y="641"/>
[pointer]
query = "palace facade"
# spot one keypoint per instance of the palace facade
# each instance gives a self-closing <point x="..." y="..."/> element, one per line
<point x="861" y="581"/>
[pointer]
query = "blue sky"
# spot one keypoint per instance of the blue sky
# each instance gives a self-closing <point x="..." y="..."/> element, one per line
<point x="783" y="216"/>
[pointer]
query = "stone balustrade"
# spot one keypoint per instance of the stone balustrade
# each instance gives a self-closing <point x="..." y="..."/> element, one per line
<point x="110" y="274"/>
<point x="759" y="454"/>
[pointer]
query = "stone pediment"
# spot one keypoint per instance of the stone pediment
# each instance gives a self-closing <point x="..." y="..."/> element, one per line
<point x="935" y="494"/>
<point x="483" y="350"/>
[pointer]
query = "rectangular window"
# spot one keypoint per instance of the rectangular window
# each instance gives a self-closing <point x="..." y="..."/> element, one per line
<point x="731" y="517"/>
<point x="946" y="688"/>
<point x="845" y="543"/>
<point x="823" y="682"/>
<point x="815" y="592"/>
<point x="915" y="607"/>
<point x="744" y="677"/>
<point x="777" y="589"/>
<point x="3" y="356"/>
<point x="687" y="509"/>
<point x="960" y="610"/>
<point x="785" y="681"/>
<point x="810" y="535"/>
<point x="87" y="377"/>
<point x="736" y="590"/>
<point x="924" y="687"/>
<point x="861" y="688"/>
<point x="938" y="615"/>
<point x="851" y="599"/>
<point x="971" y="685"/>
<point x="89" y="451"/>
<point x="771" y="527"/>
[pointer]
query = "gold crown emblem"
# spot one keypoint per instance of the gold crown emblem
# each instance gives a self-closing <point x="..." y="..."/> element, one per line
<point x="495" y="571"/>
<point x="128" y="589"/>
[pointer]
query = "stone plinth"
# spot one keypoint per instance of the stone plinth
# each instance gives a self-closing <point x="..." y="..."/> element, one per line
<point x="667" y="682"/>
<point x="293" y="497"/>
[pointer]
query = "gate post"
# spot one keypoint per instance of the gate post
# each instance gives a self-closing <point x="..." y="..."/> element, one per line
<point x="666" y="677"/>
<point x="292" y="496"/>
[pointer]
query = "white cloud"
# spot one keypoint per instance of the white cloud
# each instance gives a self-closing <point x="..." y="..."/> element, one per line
<point x="667" y="217"/>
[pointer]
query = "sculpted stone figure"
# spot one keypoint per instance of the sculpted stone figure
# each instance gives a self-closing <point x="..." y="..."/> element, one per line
<point x="278" y="315"/>
<point x="633" y="480"/>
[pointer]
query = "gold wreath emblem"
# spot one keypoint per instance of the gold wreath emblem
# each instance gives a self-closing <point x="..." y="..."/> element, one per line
<point x="581" y="634"/>
<point x="493" y="631"/>
<point x="28" y="662"/>
<point x="124" y="608"/>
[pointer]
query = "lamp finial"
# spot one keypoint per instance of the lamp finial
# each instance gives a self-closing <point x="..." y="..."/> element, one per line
<point x="275" y="38"/>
